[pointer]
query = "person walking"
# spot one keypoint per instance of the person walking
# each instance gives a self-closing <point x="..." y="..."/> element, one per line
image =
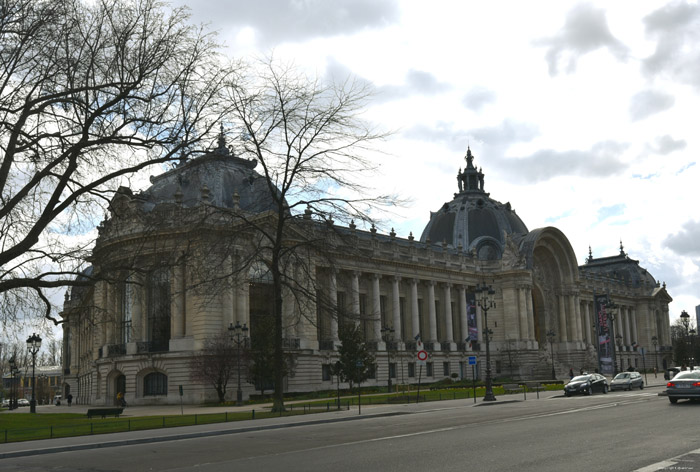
<point x="69" y="397"/>
<point x="571" y="373"/>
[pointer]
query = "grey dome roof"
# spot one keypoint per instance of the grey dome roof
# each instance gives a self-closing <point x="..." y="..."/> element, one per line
<point x="620" y="267"/>
<point x="472" y="220"/>
<point x="219" y="175"/>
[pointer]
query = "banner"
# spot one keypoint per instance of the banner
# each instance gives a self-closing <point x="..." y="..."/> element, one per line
<point x="605" y="341"/>
<point x="471" y="317"/>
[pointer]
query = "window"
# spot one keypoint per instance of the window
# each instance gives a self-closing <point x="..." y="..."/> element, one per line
<point x="411" y="369"/>
<point x="155" y="383"/>
<point x="428" y="369"/>
<point x="498" y="367"/>
<point x="404" y="322"/>
<point x="159" y="309"/>
<point x="446" y="369"/>
<point x="325" y="372"/>
<point x="126" y="301"/>
<point x="392" y="370"/>
<point x="372" y="371"/>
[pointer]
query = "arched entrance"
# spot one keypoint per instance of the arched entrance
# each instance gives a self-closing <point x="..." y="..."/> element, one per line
<point x="539" y="315"/>
<point x="119" y="386"/>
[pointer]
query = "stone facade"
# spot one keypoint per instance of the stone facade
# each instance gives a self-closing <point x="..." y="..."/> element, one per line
<point x="157" y="296"/>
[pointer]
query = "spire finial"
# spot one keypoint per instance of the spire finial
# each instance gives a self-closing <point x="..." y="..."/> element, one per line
<point x="622" y="248"/>
<point x="222" y="149"/>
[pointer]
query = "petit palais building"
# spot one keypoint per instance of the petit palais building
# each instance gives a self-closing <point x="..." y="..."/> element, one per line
<point x="158" y="297"/>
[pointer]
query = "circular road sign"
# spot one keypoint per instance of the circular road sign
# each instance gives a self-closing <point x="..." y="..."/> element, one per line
<point x="422" y="355"/>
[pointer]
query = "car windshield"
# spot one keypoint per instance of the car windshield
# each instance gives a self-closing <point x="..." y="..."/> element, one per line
<point x="687" y="375"/>
<point x="622" y="376"/>
<point x="580" y="378"/>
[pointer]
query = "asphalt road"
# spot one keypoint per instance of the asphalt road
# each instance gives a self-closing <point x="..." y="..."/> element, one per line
<point x="621" y="431"/>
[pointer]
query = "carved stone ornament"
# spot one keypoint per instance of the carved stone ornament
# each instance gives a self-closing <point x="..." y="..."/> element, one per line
<point x="512" y="258"/>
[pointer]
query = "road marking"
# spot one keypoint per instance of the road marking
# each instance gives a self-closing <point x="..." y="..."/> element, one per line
<point x="670" y="462"/>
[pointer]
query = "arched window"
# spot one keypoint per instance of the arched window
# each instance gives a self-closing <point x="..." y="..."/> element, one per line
<point x="155" y="383"/>
<point x="261" y="299"/>
<point x="159" y="309"/>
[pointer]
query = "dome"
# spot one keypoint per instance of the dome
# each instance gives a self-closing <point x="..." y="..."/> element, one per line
<point x="472" y="220"/>
<point x="217" y="176"/>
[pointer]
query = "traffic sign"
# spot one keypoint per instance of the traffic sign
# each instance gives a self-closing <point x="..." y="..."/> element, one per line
<point x="472" y="360"/>
<point x="422" y="355"/>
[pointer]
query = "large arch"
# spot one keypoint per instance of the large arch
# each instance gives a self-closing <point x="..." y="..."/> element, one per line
<point x="548" y="253"/>
<point x="116" y="382"/>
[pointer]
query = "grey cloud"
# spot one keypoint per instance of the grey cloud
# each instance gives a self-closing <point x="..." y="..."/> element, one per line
<point x="676" y="27"/>
<point x="649" y="102"/>
<point x="666" y="145"/>
<point x="602" y="160"/>
<point x="585" y="30"/>
<point x="416" y="83"/>
<point x="278" y="21"/>
<point x="687" y="241"/>
<point x="478" y="97"/>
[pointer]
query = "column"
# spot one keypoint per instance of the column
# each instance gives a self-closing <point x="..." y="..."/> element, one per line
<point x="415" y="319"/>
<point x="333" y="296"/>
<point x="447" y="295"/>
<point x="579" y="320"/>
<point x="587" y="322"/>
<point x="136" y="287"/>
<point x="463" y="322"/>
<point x="530" y="316"/>
<point x="635" y="335"/>
<point x="227" y="301"/>
<point x="108" y="314"/>
<point x="376" y="309"/>
<point x="396" y="307"/>
<point x="563" y="336"/>
<point x="522" y="313"/>
<point x="178" y="303"/>
<point x="432" y="318"/>
<point x="241" y="293"/>
<point x="355" y="289"/>
<point x="571" y="320"/>
<point x="628" y="331"/>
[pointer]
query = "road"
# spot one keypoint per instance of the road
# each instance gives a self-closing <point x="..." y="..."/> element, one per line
<point x="621" y="431"/>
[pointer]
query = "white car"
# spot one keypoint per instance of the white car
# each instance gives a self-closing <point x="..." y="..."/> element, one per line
<point x="22" y="402"/>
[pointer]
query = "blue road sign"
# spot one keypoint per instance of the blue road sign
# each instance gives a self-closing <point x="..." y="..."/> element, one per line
<point x="472" y="360"/>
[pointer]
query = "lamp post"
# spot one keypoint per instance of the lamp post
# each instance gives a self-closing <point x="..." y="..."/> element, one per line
<point x="655" y="342"/>
<point x="685" y="321"/>
<point x="550" y="338"/>
<point x="33" y="345"/>
<point x="618" y="341"/>
<point x="239" y="337"/>
<point x="691" y="357"/>
<point x="13" y="386"/>
<point x="388" y="337"/>
<point x="610" y="308"/>
<point x="485" y="300"/>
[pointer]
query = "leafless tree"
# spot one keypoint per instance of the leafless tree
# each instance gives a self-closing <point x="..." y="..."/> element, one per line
<point x="313" y="149"/>
<point x="91" y="93"/>
<point x="216" y="363"/>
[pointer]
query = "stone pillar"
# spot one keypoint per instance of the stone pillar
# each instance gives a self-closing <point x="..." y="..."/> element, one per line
<point x="137" y="294"/>
<point x="530" y="316"/>
<point x="376" y="309"/>
<point x="228" y="298"/>
<point x="522" y="313"/>
<point x="178" y="303"/>
<point x="447" y="295"/>
<point x="571" y="319"/>
<point x="587" y="322"/>
<point x="240" y="300"/>
<point x="579" y="320"/>
<point x="432" y="317"/>
<point x="635" y="334"/>
<point x="563" y="336"/>
<point x="396" y="307"/>
<point x="510" y="313"/>
<point x="463" y="321"/>
<point x="333" y="305"/>
<point x="628" y="330"/>
<point x="108" y="313"/>
<point x="355" y="294"/>
<point x="415" y="319"/>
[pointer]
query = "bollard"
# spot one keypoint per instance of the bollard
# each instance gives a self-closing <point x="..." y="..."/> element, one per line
<point x="51" y="433"/>
<point x="253" y="414"/>
<point x="525" y="392"/>
<point x="195" y="418"/>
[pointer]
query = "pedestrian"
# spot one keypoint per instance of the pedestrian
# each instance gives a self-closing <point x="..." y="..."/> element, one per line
<point x="69" y="397"/>
<point x="120" y="399"/>
<point x="571" y="373"/>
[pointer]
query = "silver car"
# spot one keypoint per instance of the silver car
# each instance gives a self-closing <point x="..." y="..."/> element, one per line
<point x="685" y="384"/>
<point x="627" y="381"/>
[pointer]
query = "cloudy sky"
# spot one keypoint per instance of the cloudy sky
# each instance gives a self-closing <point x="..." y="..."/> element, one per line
<point x="580" y="114"/>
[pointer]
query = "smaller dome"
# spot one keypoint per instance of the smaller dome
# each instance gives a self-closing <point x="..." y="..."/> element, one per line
<point x="472" y="220"/>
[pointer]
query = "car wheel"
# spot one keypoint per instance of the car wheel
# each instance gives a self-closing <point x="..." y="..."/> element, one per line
<point x="672" y="400"/>
<point x="605" y="389"/>
<point x="641" y="386"/>
<point x="567" y="394"/>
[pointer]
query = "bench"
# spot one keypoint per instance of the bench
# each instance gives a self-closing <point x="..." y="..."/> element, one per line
<point x="510" y="388"/>
<point x="103" y="412"/>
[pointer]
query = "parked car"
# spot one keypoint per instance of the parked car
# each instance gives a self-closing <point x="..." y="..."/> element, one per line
<point x="57" y="400"/>
<point x="627" y="381"/>
<point x="6" y="403"/>
<point x="586" y="385"/>
<point x="671" y="372"/>
<point x="22" y="402"/>
<point x="685" y="384"/>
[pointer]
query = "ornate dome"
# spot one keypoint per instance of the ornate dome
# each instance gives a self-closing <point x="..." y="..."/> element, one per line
<point x="473" y="220"/>
<point x="218" y="176"/>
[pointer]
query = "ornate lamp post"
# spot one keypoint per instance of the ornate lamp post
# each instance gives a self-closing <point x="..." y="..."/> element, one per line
<point x="33" y="345"/>
<point x="388" y="337"/>
<point x="685" y="321"/>
<point x="610" y="308"/>
<point x="618" y="341"/>
<point x="13" y="386"/>
<point x="239" y="337"/>
<point x="691" y="345"/>
<point x="485" y="300"/>
<point x="655" y="342"/>
<point x="550" y="338"/>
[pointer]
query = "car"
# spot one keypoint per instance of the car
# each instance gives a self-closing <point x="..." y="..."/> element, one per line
<point x="672" y="372"/>
<point x="22" y="402"/>
<point x="627" y="381"/>
<point x="57" y="400"/>
<point x="685" y="385"/>
<point x="586" y="384"/>
<point x="6" y="403"/>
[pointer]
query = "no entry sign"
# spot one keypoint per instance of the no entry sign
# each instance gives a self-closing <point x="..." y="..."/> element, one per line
<point x="422" y="355"/>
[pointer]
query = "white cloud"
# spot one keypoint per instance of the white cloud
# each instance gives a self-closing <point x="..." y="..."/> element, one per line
<point x="649" y="102"/>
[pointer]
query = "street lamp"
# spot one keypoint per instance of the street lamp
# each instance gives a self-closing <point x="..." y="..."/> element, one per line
<point x="610" y="308"/>
<point x="485" y="300"/>
<point x="13" y="387"/>
<point x="690" y="348"/>
<point x="550" y="338"/>
<point x="33" y="345"/>
<point x="685" y="321"/>
<point x="388" y="337"/>
<point x="239" y="337"/>
<point x="618" y="341"/>
<point x="655" y="342"/>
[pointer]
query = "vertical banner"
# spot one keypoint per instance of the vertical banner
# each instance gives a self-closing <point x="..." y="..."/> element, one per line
<point x="471" y="317"/>
<point x="602" y="328"/>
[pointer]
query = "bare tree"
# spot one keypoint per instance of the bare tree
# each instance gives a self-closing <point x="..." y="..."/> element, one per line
<point x="216" y="363"/>
<point x="313" y="148"/>
<point x="91" y="93"/>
